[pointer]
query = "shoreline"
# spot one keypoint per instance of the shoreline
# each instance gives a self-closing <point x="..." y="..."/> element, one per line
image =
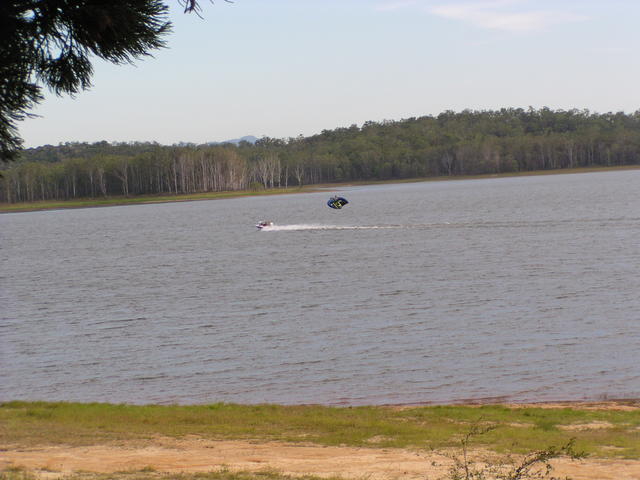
<point x="624" y="403"/>
<point x="606" y="404"/>
<point x="100" y="442"/>
<point x="45" y="205"/>
<point x="631" y="403"/>
<point x="200" y="459"/>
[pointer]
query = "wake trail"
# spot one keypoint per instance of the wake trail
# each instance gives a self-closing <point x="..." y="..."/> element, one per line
<point x="624" y="221"/>
<point x="304" y="226"/>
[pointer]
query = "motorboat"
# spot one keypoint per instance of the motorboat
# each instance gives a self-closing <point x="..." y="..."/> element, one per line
<point x="264" y="224"/>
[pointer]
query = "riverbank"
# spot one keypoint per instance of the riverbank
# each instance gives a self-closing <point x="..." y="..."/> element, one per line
<point x="49" y="440"/>
<point x="146" y="199"/>
<point x="198" y="459"/>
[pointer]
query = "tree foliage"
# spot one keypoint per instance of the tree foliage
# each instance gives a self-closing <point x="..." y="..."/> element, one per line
<point x="48" y="43"/>
<point x="464" y="143"/>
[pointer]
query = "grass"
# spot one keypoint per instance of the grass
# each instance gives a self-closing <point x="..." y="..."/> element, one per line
<point x="145" y="199"/>
<point x="145" y="474"/>
<point x="519" y="430"/>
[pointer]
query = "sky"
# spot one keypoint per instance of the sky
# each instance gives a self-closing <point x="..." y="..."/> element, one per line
<point x="284" y="68"/>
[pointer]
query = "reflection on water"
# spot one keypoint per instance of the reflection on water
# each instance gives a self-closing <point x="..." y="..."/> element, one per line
<point x="520" y="289"/>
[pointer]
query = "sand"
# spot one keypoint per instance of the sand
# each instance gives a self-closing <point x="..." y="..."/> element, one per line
<point x="199" y="455"/>
<point x="194" y="454"/>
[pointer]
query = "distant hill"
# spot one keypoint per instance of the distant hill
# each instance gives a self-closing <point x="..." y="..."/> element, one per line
<point x="247" y="138"/>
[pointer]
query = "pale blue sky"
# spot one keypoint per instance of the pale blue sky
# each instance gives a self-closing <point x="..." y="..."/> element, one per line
<point x="284" y="68"/>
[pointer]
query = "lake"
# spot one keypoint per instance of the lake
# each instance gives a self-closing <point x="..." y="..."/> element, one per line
<point x="505" y="289"/>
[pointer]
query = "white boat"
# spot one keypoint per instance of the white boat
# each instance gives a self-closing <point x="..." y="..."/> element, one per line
<point x="264" y="224"/>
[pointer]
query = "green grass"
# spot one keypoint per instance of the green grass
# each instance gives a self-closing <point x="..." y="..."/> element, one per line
<point x="23" y="474"/>
<point x="519" y="430"/>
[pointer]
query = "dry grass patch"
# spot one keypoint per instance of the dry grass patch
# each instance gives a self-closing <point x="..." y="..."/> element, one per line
<point x="518" y="430"/>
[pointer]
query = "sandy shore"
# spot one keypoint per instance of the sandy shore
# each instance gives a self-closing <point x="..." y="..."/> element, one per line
<point x="191" y="455"/>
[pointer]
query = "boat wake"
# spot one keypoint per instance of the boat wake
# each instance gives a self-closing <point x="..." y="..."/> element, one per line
<point x="537" y="224"/>
<point x="311" y="226"/>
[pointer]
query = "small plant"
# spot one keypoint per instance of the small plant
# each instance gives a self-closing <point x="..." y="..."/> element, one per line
<point x="15" y="473"/>
<point x="533" y="466"/>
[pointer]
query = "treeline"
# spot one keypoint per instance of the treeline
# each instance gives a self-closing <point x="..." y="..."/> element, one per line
<point x="464" y="143"/>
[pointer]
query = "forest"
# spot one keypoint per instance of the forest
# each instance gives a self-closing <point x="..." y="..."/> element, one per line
<point x="449" y="144"/>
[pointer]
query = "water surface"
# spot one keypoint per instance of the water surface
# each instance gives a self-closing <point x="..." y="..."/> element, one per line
<point x="517" y="289"/>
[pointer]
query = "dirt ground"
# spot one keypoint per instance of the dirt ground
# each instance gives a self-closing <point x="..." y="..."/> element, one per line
<point x="194" y="454"/>
<point x="199" y="455"/>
